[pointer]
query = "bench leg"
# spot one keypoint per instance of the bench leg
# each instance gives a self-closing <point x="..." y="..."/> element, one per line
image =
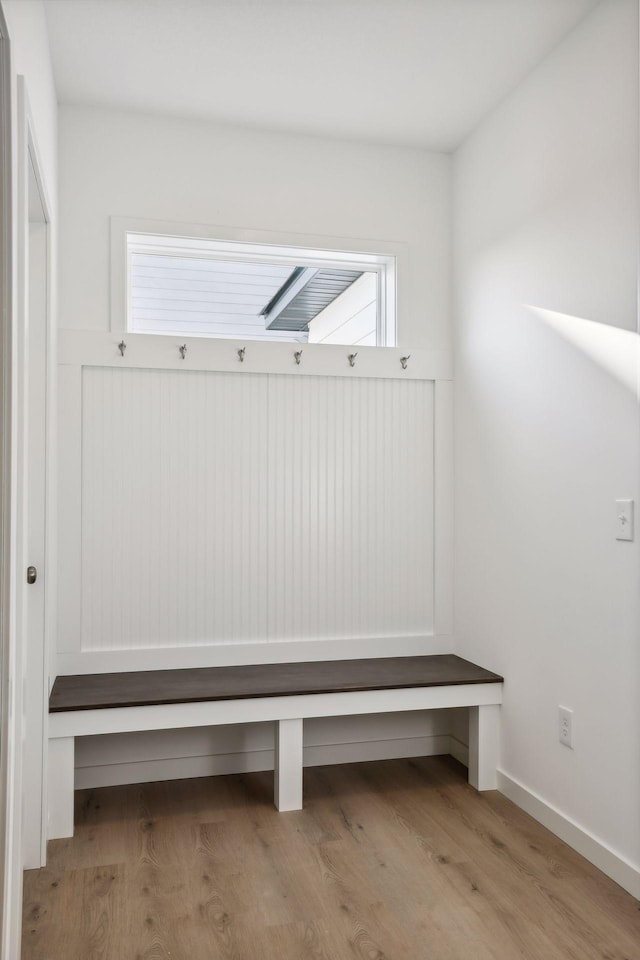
<point x="60" y="787"/>
<point x="484" y="746"/>
<point x="288" y="765"/>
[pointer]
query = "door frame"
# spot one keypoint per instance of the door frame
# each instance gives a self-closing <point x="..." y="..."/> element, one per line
<point x="35" y="848"/>
<point x="10" y="895"/>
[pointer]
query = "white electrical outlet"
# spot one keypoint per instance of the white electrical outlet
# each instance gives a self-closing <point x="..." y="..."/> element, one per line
<point x="565" y="729"/>
<point x="624" y="519"/>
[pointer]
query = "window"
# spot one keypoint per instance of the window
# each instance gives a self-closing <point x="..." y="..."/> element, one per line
<point x="249" y="291"/>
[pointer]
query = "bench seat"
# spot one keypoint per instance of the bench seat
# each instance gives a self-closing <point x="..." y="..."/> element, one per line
<point x="286" y="693"/>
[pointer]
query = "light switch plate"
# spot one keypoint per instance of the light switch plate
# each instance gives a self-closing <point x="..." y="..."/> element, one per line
<point x="624" y="519"/>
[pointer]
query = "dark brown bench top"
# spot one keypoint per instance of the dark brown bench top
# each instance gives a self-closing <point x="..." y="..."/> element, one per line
<point x="152" y="687"/>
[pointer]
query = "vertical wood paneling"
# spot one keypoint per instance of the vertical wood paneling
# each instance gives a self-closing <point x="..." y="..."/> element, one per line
<point x="350" y="542"/>
<point x="443" y="506"/>
<point x="69" y="573"/>
<point x="173" y="508"/>
<point x="219" y="508"/>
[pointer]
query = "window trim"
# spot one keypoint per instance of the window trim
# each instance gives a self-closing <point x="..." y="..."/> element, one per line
<point x="387" y="259"/>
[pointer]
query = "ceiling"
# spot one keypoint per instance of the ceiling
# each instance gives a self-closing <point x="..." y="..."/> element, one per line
<point x="409" y="72"/>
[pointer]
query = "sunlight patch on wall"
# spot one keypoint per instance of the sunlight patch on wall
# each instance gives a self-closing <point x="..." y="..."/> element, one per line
<point x="615" y="350"/>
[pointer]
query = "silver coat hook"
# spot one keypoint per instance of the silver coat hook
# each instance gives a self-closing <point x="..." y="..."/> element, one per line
<point x="122" y="347"/>
<point x="183" y="350"/>
<point x="241" y="354"/>
<point x="298" y="356"/>
<point x="404" y="361"/>
<point x="352" y="359"/>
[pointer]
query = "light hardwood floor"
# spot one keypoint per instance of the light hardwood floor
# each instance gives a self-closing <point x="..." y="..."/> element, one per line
<point x="397" y="860"/>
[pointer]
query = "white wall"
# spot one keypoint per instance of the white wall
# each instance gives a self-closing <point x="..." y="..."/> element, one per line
<point x="157" y="168"/>
<point x="30" y="59"/>
<point x="546" y="219"/>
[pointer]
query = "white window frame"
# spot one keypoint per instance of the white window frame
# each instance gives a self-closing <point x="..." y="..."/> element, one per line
<point x="386" y="259"/>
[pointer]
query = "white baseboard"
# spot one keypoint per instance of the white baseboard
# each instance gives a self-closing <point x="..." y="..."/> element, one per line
<point x="388" y="749"/>
<point x="252" y="761"/>
<point x="596" y="851"/>
<point x="459" y="750"/>
<point x="172" y="768"/>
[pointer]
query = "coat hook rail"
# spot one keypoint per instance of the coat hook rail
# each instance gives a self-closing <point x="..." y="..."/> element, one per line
<point x="297" y="356"/>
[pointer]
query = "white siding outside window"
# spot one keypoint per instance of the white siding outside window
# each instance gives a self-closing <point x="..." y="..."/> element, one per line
<point x="211" y="298"/>
<point x="351" y="318"/>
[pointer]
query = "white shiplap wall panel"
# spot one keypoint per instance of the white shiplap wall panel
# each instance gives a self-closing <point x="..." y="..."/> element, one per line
<point x="350" y="507"/>
<point x="219" y="508"/>
<point x="173" y="508"/>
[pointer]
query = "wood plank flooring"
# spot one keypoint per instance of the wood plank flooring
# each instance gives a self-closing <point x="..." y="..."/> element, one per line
<point x="395" y="860"/>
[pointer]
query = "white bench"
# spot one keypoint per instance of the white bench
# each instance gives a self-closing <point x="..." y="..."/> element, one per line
<point x="286" y="693"/>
